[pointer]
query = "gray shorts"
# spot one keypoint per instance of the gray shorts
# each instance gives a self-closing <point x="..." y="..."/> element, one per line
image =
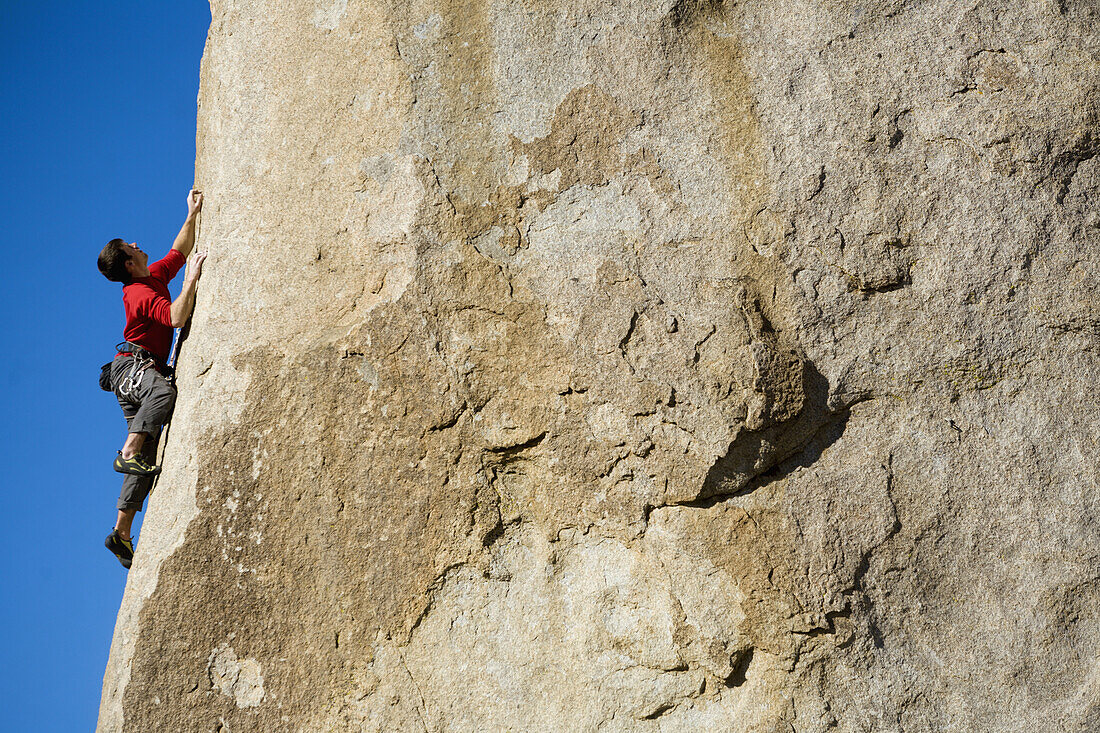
<point x="146" y="407"/>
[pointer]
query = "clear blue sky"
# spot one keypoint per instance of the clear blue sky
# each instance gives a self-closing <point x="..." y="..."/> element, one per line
<point x="98" y="131"/>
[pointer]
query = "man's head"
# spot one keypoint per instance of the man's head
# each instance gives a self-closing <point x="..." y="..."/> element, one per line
<point x="121" y="262"/>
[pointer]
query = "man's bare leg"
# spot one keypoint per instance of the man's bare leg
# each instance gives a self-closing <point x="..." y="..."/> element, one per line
<point x="133" y="445"/>
<point x="122" y="524"/>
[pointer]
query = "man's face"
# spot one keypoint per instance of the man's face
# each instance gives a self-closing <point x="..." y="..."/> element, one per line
<point x="136" y="255"/>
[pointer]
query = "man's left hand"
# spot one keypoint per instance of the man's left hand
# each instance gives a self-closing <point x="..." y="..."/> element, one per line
<point x="194" y="202"/>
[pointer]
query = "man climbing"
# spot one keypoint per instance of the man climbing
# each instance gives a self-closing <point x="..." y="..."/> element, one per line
<point x="139" y="370"/>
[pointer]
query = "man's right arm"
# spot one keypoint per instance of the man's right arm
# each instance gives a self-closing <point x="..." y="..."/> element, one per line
<point x="183" y="305"/>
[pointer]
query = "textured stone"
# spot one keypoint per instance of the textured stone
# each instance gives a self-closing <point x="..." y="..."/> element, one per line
<point x="656" y="366"/>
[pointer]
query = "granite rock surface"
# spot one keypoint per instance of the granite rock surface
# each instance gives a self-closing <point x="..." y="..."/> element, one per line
<point x="681" y="365"/>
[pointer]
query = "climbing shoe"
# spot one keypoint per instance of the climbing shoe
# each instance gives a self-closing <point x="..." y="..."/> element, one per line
<point x="122" y="549"/>
<point x="136" y="466"/>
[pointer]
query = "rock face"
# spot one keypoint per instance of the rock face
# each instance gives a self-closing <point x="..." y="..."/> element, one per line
<point x="679" y="365"/>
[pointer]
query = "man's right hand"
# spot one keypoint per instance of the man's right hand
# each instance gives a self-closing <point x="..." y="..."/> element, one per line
<point x="182" y="306"/>
<point x="196" y="266"/>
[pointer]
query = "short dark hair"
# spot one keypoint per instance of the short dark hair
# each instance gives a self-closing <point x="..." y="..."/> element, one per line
<point x="112" y="262"/>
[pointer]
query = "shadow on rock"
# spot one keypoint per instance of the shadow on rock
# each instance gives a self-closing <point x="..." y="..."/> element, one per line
<point x="758" y="457"/>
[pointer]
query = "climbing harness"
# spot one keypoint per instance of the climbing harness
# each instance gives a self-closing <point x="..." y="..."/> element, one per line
<point x="129" y="385"/>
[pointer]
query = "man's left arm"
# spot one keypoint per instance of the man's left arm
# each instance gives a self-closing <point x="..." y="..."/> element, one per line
<point x="185" y="240"/>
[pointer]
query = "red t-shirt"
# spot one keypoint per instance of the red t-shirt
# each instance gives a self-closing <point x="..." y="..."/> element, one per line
<point x="149" y="306"/>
